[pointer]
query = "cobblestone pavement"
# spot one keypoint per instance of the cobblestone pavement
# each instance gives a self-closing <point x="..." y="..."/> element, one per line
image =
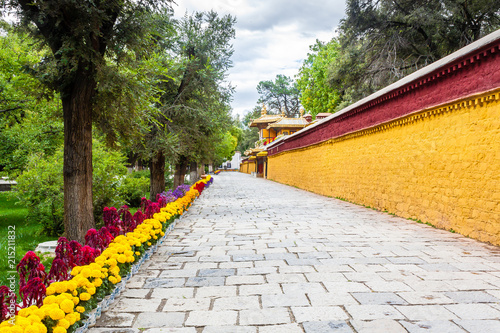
<point x="252" y="255"/>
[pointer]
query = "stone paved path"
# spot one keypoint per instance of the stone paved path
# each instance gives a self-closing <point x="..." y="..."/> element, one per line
<point x="254" y="256"/>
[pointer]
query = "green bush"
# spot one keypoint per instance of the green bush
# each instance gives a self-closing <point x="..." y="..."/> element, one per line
<point x="134" y="188"/>
<point x="40" y="188"/>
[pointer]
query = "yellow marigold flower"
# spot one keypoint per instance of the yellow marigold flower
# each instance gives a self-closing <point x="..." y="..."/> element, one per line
<point x="24" y="312"/>
<point x="86" y="272"/>
<point x="16" y="329"/>
<point x="39" y="312"/>
<point x="77" y="316"/>
<point x="80" y="309"/>
<point x="76" y="270"/>
<point x="67" y="306"/>
<point x="41" y="328"/>
<point x="31" y="329"/>
<point x="122" y="258"/>
<point x="130" y="259"/>
<point x="34" y="318"/>
<point x="96" y="273"/>
<point x="84" y="296"/>
<point x="137" y="253"/>
<point x="59" y="329"/>
<point x="49" y="299"/>
<point x="75" y="293"/>
<point x="56" y="314"/>
<point x="113" y="280"/>
<point x="118" y="278"/>
<point x="50" y="290"/>
<point x="91" y="290"/>
<point x="71" y="285"/>
<point x="71" y="318"/>
<point x="63" y="323"/>
<point x="76" y="300"/>
<point x="97" y="282"/>
<point x="60" y="287"/>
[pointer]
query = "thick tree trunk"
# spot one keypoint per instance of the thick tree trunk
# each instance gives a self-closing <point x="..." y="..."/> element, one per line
<point x="157" y="178"/>
<point x="77" y="102"/>
<point x="193" y="172"/>
<point x="180" y="171"/>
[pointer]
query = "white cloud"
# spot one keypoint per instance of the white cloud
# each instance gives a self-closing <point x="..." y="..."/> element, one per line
<point x="272" y="37"/>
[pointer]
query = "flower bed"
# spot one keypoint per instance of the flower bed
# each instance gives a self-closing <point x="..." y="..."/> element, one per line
<point x="84" y="280"/>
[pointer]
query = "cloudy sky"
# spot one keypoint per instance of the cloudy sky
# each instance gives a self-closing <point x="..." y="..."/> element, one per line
<point x="272" y="37"/>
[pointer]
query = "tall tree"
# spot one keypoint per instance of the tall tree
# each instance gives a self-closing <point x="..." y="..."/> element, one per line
<point x="316" y="95"/>
<point x="195" y="102"/>
<point x="280" y="95"/>
<point x="81" y="36"/>
<point x="385" y="40"/>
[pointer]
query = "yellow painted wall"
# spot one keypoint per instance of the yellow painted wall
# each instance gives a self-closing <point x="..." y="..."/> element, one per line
<point x="440" y="166"/>
<point x="247" y="167"/>
<point x="268" y="133"/>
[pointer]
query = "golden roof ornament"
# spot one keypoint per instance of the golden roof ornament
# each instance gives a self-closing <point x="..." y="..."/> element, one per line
<point x="301" y="112"/>
<point x="282" y="112"/>
<point x="264" y="110"/>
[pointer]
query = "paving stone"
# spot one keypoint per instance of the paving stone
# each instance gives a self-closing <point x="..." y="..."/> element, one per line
<point x="163" y="283"/>
<point x="236" y="303"/>
<point x="280" y="300"/>
<point x="302" y="262"/>
<point x="257" y="270"/>
<point x="426" y="312"/>
<point x="334" y="326"/>
<point x="327" y="299"/>
<point x="318" y="313"/>
<point x="230" y="329"/>
<point x="135" y="305"/>
<point x="474" y="311"/>
<point x="112" y="330"/>
<point x="287" y="328"/>
<point x="170" y="330"/>
<point x="216" y="272"/>
<point x="159" y="319"/>
<point x="205" y="281"/>
<point x="247" y="257"/>
<point x="113" y="319"/>
<point x="174" y="273"/>
<point x="269" y="316"/>
<point x="186" y="304"/>
<point x="479" y="326"/>
<point x="373" y="312"/>
<point x="185" y="292"/>
<point x="308" y="288"/>
<point x="378" y="326"/>
<point x="135" y="293"/>
<point x="216" y="291"/>
<point x="260" y="289"/>
<point x="433" y="326"/>
<point x="471" y="297"/>
<point x="345" y="287"/>
<point x="211" y="318"/>
<point x="378" y="298"/>
<point x="285" y="278"/>
<point x="247" y="279"/>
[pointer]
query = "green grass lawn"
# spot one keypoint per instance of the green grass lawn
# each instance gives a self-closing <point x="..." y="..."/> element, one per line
<point x="27" y="236"/>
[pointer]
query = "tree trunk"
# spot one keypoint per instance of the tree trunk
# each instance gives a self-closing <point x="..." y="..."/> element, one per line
<point x="180" y="171"/>
<point x="193" y="172"/>
<point x="157" y="178"/>
<point x="77" y="102"/>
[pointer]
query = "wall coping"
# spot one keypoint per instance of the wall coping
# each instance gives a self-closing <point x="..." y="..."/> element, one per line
<point x="457" y="60"/>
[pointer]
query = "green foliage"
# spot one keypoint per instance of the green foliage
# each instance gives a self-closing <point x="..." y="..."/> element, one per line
<point x="383" y="41"/>
<point x="40" y="190"/>
<point x="27" y="234"/>
<point x="280" y="95"/>
<point x="316" y="94"/>
<point x="29" y="118"/>
<point x="40" y="187"/>
<point x="133" y="188"/>
<point x="108" y="171"/>
<point x="225" y="148"/>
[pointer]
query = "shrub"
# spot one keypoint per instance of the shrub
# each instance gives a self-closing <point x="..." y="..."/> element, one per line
<point x="133" y="189"/>
<point x="40" y="187"/>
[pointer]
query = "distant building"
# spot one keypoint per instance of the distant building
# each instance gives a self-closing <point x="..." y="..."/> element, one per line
<point x="271" y="127"/>
<point x="234" y="163"/>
